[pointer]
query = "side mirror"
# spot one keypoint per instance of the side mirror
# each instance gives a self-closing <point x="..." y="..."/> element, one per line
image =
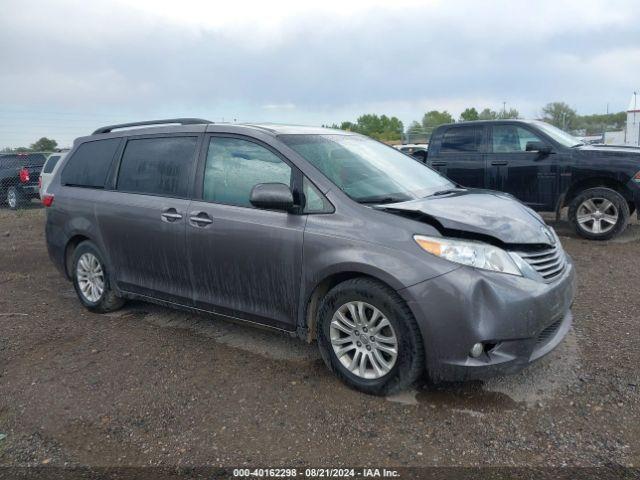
<point x="272" y="196"/>
<point x="540" y="147"/>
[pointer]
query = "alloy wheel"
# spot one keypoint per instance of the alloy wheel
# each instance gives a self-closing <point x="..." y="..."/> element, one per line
<point x="12" y="198"/>
<point x="90" y="277"/>
<point x="363" y="340"/>
<point x="597" y="215"/>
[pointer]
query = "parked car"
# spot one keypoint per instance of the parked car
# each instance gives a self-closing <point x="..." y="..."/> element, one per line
<point x="19" y="174"/>
<point x="416" y="150"/>
<point x="544" y="167"/>
<point x="323" y="234"/>
<point x="48" y="170"/>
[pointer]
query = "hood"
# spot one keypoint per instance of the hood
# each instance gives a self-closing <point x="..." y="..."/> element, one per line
<point x="481" y="212"/>
<point x="610" y="150"/>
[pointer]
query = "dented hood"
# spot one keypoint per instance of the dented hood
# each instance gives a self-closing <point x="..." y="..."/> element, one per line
<point x="482" y="212"/>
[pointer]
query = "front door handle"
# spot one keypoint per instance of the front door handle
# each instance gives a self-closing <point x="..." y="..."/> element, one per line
<point x="200" y="219"/>
<point x="439" y="164"/>
<point x="500" y="162"/>
<point x="170" y="215"/>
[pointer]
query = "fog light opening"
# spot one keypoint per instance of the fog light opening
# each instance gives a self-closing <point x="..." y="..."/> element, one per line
<point x="476" y="350"/>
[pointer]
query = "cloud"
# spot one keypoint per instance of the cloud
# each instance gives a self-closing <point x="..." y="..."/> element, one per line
<point x="305" y="62"/>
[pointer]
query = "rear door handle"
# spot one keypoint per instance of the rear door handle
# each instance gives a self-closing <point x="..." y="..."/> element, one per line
<point x="200" y="219"/>
<point x="170" y="215"/>
<point x="500" y="162"/>
<point x="439" y="164"/>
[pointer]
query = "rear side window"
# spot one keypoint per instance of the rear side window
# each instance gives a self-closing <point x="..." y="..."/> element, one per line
<point x="235" y="166"/>
<point x="158" y="166"/>
<point x="52" y="161"/>
<point x="461" y="140"/>
<point x="89" y="165"/>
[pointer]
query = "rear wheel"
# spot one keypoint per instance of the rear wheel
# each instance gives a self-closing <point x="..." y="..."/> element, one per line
<point x="599" y="213"/>
<point x="91" y="280"/>
<point x="368" y="337"/>
<point x="14" y="198"/>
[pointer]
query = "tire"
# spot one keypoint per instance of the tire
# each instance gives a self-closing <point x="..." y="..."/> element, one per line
<point x="410" y="359"/>
<point x="14" y="198"/>
<point x="599" y="197"/>
<point x="106" y="300"/>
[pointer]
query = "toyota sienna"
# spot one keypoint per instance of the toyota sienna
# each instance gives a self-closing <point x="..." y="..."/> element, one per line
<point x="324" y="234"/>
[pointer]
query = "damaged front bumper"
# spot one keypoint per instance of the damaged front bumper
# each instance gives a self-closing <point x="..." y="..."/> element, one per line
<point x="518" y="320"/>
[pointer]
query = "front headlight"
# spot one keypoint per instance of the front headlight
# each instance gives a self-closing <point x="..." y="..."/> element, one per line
<point x="473" y="254"/>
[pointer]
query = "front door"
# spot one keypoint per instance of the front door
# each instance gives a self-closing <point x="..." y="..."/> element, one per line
<point x="460" y="156"/>
<point x="527" y="175"/>
<point x="143" y="221"/>
<point x="245" y="262"/>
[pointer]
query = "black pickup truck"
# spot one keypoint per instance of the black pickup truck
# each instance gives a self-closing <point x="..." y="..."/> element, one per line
<point x="545" y="168"/>
<point x="19" y="173"/>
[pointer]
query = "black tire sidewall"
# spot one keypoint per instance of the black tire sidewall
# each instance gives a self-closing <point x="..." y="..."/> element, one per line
<point x="410" y="361"/>
<point x="600" y="192"/>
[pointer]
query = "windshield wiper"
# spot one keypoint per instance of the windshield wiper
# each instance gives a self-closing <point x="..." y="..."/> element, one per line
<point x="382" y="200"/>
<point x="445" y="192"/>
<point x="578" y="145"/>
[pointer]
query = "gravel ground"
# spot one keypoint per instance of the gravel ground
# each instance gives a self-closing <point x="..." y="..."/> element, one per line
<point x="152" y="386"/>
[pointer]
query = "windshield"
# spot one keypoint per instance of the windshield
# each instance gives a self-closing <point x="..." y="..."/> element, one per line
<point x="366" y="170"/>
<point x="560" y="136"/>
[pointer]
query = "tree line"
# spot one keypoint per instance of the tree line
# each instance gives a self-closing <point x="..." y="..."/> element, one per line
<point x="560" y="114"/>
<point x="44" y="144"/>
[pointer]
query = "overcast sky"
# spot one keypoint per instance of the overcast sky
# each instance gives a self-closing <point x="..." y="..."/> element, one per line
<point x="67" y="67"/>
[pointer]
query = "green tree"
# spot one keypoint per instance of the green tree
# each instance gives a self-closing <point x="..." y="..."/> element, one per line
<point x="560" y="114"/>
<point x="469" y="115"/>
<point x="44" y="145"/>
<point x="487" y="114"/>
<point x="434" y="118"/>
<point x="506" y="114"/>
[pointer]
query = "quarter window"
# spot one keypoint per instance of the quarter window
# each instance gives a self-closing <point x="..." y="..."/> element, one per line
<point x="89" y="165"/>
<point x="158" y="166"/>
<point x="461" y="140"/>
<point x="234" y="166"/>
<point x="51" y="164"/>
<point x="511" y="138"/>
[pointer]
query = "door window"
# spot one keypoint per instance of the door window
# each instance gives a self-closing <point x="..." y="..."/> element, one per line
<point x="234" y="166"/>
<point x="461" y="140"/>
<point x="158" y="166"/>
<point x="511" y="138"/>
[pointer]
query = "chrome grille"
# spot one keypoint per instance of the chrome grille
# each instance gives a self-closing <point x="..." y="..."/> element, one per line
<point x="549" y="262"/>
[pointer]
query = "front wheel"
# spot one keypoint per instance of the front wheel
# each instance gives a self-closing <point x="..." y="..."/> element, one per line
<point x="368" y="337"/>
<point x="599" y="213"/>
<point x="91" y="280"/>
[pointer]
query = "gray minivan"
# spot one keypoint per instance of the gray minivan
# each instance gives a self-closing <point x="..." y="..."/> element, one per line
<point x="324" y="234"/>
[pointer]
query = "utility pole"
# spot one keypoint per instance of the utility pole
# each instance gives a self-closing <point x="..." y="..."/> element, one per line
<point x="504" y="109"/>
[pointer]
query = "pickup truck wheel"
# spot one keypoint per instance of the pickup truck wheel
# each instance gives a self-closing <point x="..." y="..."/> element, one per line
<point x="91" y="280"/>
<point x="14" y="198"/>
<point x="368" y="337"/>
<point x="599" y="213"/>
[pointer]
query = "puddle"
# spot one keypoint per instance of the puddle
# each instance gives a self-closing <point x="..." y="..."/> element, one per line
<point x="270" y="344"/>
<point x="405" y="398"/>
<point x="465" y="397"/>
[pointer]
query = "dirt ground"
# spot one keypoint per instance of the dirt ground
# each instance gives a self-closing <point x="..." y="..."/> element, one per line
<point x="152" y="386"/>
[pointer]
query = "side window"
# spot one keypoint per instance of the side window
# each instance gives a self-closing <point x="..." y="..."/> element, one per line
<point x="89" y="165"/>
<point x="461" y="140"/>
<point x="158" y="166"/>
<point x="511" y="138"/>
<point x="314" y="200"/>
<point x="51" y="164"/>
<point x="234" y="166"/>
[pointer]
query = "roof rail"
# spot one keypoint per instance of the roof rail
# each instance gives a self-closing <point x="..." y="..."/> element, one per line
<point x="179" y="121"/>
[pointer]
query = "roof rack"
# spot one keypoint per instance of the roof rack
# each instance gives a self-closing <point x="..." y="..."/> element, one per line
<point x="179" y="121"/>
